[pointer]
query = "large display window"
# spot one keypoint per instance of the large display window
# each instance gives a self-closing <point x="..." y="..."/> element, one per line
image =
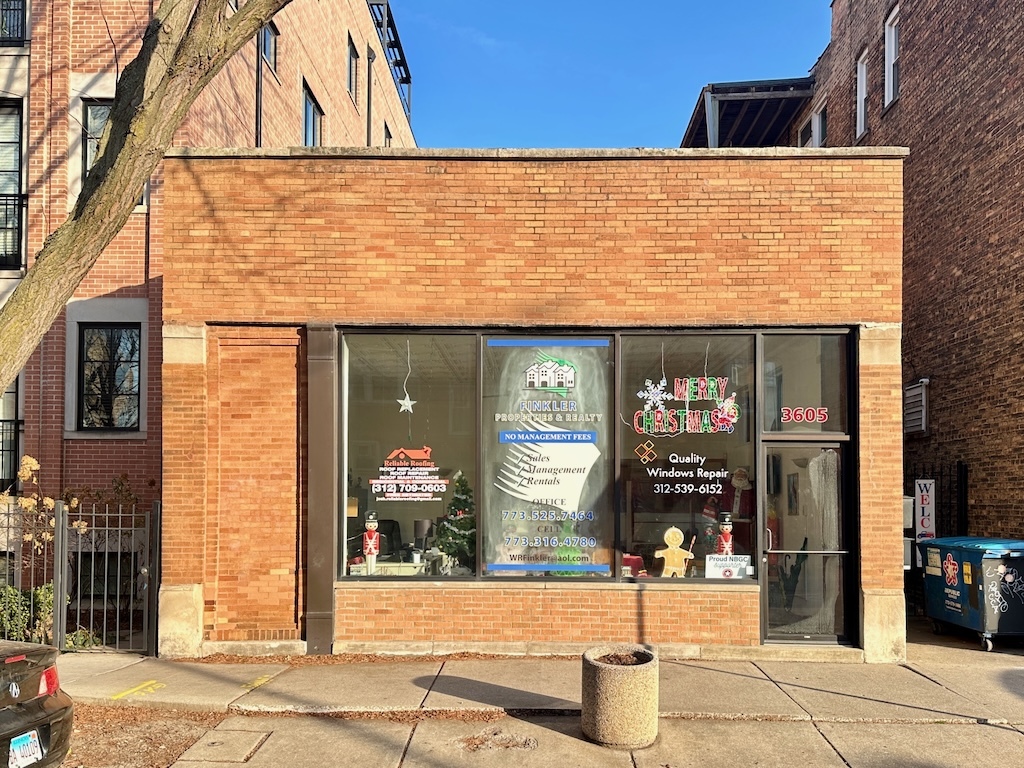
<point x="410" y="446"/>
<point x="687" y="465"/>
<point x="627" y="455"/>
<point x="547" y="442"/>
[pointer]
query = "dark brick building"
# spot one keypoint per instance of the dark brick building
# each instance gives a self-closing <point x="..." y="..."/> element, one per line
<point x="945" y="79"/>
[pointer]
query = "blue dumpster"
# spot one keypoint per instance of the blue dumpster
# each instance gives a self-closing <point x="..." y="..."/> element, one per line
<point x="976" y="583"/>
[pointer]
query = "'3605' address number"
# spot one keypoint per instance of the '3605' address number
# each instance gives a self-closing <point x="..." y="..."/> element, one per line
<point x="808" y="415"/>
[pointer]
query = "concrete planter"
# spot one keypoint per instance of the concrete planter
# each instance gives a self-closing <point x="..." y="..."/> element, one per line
<point x="620" y="701"/>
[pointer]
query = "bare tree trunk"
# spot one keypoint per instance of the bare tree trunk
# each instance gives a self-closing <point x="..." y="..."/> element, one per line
<point x="185" y="44"/>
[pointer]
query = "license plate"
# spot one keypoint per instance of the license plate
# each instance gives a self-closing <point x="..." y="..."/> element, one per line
<point x="25" y="750"/>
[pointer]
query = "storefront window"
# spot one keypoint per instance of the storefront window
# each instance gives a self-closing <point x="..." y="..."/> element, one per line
<point x="805" y="383"/>
<point x="476" y="455"/>
<point x="411" y="452"/>
<point x="547" y="442"/>
<point x="688" y="467"/>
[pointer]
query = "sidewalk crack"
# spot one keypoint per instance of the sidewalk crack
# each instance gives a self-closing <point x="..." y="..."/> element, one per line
<point x="423" y="701"/>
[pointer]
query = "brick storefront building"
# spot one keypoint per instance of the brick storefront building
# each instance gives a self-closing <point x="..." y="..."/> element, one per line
<point x="947" y="81"/>
<point x="320" y="74"/>
<point x="578" y="350"/>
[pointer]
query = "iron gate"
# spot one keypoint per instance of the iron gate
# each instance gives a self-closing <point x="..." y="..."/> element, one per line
<point x="110" y="556"/>
<point x="950" y="516"/>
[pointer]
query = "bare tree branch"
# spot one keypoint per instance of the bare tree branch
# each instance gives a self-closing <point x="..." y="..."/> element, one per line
<point x="186" y="43"/>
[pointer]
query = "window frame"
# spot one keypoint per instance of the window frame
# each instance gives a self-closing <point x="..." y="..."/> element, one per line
<point x="862" y="95"/>
<point x="90" y="138"/>
<point x="97" y="311"/>
<point x="892" y="56"/>
<point x="80" y="400"/>
<point x="269" y="34"/>
<point x="14" y="202"/>
<point x="352" y="73"/>
<point x="312" y="118"/>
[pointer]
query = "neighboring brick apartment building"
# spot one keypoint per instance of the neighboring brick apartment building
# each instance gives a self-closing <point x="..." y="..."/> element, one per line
<point x="323" y="73"/>
<point x="544" y="381"/>
<point x="946" y="80"/>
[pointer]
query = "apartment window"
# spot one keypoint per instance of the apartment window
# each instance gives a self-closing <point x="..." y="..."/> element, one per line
<point x="11" y="200"/>
<point x="12" y="23"/>
<point x="10" y="434"/>
<point x="108" y="376"/>
<point x="805" y="136"/>
<point x="313" y="118"/>
<point x="268" y="44"/>
<point x="387" y="135"/>
<point x="353" y="67"/>
<point x="813" y="133"/>
<point x="892" y="56"/>
<point x="862" y="94"/>
<point x="95" y="113"/>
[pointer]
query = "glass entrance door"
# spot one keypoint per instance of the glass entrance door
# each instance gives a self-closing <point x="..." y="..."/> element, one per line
<point x="804" y="557"/>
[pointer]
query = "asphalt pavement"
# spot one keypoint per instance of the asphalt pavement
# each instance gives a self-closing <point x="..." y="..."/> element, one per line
<point x="951" y="704"/>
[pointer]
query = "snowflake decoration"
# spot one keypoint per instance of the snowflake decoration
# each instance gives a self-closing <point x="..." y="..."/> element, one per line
<point x="655" y="396"/>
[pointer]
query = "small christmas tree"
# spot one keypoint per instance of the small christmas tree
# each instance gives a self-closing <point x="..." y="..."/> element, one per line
<point x="456" y="535"/>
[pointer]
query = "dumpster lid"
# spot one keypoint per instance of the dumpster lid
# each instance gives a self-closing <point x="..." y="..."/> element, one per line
<point x="978" y="544"/>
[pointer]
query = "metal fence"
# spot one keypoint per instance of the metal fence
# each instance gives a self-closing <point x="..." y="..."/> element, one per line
<point x="950" y="515"/>
<point x="950" y="494"/>
<point x="12" y="22"/>
<point x="82" y="578"/>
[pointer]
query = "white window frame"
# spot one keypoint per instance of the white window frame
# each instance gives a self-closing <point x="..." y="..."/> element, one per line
<point x="103" y="310"/>
<point x="862" y="94"/>
<point x="817" y="125"/>
<point x="892" y="56"/>
<point x="95" y="87"/>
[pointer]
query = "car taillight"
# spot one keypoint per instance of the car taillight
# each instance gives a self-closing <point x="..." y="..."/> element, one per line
<point x="48" y="683"/>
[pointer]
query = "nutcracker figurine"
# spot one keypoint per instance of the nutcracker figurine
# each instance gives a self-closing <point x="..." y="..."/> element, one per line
<point x="371" y="543"/>
<point x="724" y="543"/>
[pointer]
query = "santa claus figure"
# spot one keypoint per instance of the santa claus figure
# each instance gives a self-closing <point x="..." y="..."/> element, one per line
<point x="738" y="496"/>
<point x="724" y="542"/>
<point x="371" y="542"/>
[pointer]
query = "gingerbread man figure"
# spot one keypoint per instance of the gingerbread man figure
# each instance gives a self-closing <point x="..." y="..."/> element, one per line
<point x="676" y="558"/>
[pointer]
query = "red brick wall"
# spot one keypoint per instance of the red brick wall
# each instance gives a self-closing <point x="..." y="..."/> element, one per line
<point x="962" y="84"/>
<point x="435" y="241"/>
<point x="540" y="239"/>
<point x="254" y="527"/>
<point x="407" y="613"/>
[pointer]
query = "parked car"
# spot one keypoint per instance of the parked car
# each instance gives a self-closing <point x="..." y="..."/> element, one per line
<point x="35" y="714"/>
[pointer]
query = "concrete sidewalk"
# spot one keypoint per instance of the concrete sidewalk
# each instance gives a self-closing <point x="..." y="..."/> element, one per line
<point x="950" y="705"/>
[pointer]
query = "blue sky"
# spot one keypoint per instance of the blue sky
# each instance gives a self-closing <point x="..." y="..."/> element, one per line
<point x="571" y="73"/>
